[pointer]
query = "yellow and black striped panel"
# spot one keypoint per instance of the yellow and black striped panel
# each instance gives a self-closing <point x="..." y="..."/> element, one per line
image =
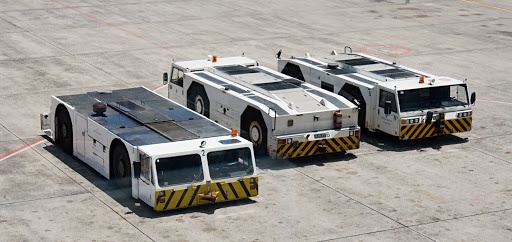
<point x="227" y="191"/>
<point x="314" y="147"/>
<point x="423" y="130"/>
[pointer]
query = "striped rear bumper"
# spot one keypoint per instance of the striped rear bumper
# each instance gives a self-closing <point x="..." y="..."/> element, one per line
<point x="198" y="194"/>
<point x="423" y="130"/>
<point x="332" y="145"/>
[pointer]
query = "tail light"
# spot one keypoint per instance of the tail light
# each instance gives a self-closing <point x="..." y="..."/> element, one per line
<point x="253" y="183"/>
<point x="337" y="119"/>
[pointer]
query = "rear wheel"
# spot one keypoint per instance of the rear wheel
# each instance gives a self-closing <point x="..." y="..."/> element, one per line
<point x="121" y="165"/>
<point x="64" y="130"/>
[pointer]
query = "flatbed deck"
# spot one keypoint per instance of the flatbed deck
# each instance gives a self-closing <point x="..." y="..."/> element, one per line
<point x="141" y="118"/>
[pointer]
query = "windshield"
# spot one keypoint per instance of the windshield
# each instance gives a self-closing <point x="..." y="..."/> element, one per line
<point x="433" y="97"/>
<point x="179" y="170"/>
<point x="230" y="163"/>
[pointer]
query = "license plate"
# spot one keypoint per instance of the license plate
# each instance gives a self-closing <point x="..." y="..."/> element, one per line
<point x="318" y="136"/>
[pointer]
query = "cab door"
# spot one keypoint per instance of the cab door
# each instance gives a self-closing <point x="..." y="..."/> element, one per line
<point x="387" y="114"/>
<point x="175" y="91"/>
<point x="146" y="187"/>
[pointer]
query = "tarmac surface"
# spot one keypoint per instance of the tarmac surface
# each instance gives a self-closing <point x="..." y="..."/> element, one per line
<point x="451" y="188"/>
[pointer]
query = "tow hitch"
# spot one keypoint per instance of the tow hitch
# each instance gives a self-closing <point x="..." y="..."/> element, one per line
<point x="210" y="196"/>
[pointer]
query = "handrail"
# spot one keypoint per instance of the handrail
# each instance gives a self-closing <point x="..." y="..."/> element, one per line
<point x="347" y="47"/>
<point x="275" y="117"/>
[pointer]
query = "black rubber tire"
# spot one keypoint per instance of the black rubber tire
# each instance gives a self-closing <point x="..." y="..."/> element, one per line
<point x="197" y="100"/>
<point x="252" y="123"/>
<point x="356" y="93"/>
<point x="121" y="165"/>
<point x="362" y="116"/>
<point x="64" y="130"/>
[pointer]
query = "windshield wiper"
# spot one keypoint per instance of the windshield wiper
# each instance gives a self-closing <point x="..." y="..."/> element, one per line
<point x="246" y="172"/>
<point x="196" y="177"/>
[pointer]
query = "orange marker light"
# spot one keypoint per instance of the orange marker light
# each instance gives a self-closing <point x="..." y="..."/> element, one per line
<point x="422" y="79"/>
<point x="214" y="58"/>
<point x="234" y="132"/>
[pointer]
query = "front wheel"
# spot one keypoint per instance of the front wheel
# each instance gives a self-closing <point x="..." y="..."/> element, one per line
<point x="121" y="166"/>
<point x="197" y="100"/>
<point x="255" y="133"/>
<point x="254" y="129"/>
<point x="199" y="104"/>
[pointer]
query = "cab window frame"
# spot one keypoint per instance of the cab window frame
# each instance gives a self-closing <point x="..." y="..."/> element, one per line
<point x="177" y="76"/>
<point x="388" y="96"/>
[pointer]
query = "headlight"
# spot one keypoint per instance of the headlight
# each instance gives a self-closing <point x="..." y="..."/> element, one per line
<point x="463" y="114"/>
<point x="413" y="120"/>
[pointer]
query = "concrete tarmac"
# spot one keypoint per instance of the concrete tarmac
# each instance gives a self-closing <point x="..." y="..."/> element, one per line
<point x="451" y="188"/>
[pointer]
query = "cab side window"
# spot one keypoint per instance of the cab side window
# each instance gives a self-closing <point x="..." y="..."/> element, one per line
<point x="387" y="96"/>
<point x="177" y="77"/>
<point x="145" y="170"/>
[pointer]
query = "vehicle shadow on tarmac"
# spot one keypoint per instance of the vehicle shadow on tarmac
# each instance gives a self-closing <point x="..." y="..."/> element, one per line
<point x="386" y="142"/>
<point x="381" y="141"/>
<point x="316" y="160"/>
<point x="209" y="209"/>
<point x="123" y="196"/>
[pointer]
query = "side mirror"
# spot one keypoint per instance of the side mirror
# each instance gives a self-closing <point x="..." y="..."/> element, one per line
<point x="473" y="98"/>
<point x="166" y="78"/>
<point x="387" y="107"/>
<point x="428" y="120"/>
<point x="136" y="170"/>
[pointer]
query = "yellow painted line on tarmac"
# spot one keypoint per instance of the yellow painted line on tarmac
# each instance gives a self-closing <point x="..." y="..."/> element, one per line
<point x="488" y="6"/>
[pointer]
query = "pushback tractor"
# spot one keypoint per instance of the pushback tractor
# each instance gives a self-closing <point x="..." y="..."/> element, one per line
<point x="282" y="116"/>
<point x="169" y="155"/>
<point x="392" y="98"/>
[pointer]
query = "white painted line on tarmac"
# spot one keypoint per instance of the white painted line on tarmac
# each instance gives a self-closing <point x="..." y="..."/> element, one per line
<point x="134" y="34"/>
<point x="493" y="101"/>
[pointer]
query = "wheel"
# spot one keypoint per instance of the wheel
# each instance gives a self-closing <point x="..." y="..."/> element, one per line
<point x="199" y="104"/>
<point x="361" y="116"/>
<point x="355" y="93"/>
<point x="197" y="100"/>
<point x="255" y="133"/>
<point x="254" y="129"/>
<point x="64" y="130"/>
<point x="121" y="165"/>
